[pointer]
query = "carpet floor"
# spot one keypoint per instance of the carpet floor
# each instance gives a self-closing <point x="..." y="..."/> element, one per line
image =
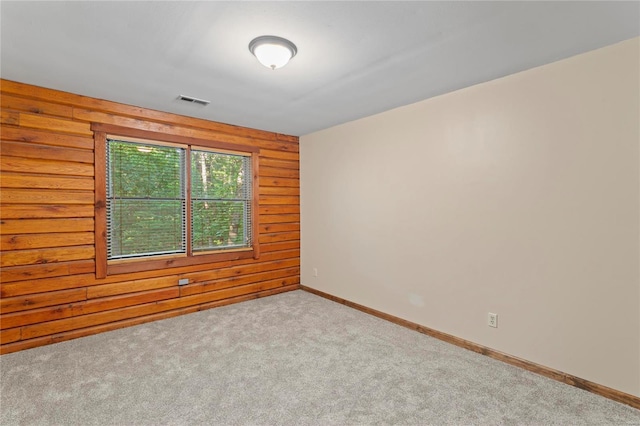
<point x="289" y="359"/>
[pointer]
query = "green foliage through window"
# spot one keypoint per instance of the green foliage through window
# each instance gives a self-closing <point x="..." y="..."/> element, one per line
<point x="220" y="200"/>
<point x="147" y="199"/>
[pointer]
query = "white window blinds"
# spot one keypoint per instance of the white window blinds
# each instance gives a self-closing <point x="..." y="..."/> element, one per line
<point x="220" y="200"/>
<point x="146" y="199"/>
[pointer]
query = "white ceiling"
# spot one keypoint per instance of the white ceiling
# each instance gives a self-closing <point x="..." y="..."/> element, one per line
<point x="354" y="58"/>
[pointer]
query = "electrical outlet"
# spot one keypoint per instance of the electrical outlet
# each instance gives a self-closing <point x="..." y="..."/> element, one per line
<point x="183" y="281"/>
<point x="492" y="320"/>
<point x="315" y="272"/>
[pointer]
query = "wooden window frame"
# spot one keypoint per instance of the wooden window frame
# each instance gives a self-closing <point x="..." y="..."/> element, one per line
<point x="103" y="266"/>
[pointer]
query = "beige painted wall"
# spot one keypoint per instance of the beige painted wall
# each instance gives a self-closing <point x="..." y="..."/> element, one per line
<point x="519" y="196"/>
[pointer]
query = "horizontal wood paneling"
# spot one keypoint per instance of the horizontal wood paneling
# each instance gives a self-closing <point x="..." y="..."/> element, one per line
<point x="38" y="181"/>
<point x="9" y="117"/>
<point x="49" y="290"/>
<point x="21" y="303"/>
<point x="42" y="315"/>
<point x="38" y="284"/>
<point x="35" y="106"/>
<point x="46" y="152"/>
<point x="9" y="336"/>
<point x="279" y="227"/>
<point x="279" y="236"/>
<point x="31" y="165"/>
<point x="286" y="245"/>
<point x="264" y="200"/>
<point x="129" y="287"/>
<point x="31" y="241"/>
<point x="280" y="218"/>
<point x="44" y="196"/>
<point x="32" y="211"/>
<point x="289" y="275"/>
<point x="279" y="210"/>
<point x="279" y="173"/>
<point x="240" y="270"/>
<point x="23" y="273"/>
<point x="56" y="124"/>
<point x="46" y="138"/>
<point x="46" y="255"/>
<point x="273" y="181"/>
<point x="37" y="226"/>
<point x="279" y="164"/>
<point x="277" y="190"/>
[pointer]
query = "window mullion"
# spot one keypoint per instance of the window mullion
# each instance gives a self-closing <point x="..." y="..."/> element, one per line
<point x="188" y="214"/>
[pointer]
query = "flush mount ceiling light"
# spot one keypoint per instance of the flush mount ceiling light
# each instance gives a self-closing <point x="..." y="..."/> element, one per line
<point x="273" y="52"/>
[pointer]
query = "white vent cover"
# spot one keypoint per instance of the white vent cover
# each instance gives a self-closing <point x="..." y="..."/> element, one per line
<point x="193" y="100"/>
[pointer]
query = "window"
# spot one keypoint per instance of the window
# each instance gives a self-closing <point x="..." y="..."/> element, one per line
<point x="146" y="199"/>
<point x="168" y="201"/>
<point x="220" y="200"/>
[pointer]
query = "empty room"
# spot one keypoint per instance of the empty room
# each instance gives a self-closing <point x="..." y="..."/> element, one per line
<point x="320" y="213"/>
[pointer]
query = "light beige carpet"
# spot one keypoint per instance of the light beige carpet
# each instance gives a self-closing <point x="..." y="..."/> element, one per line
<point x="290" y="359"/>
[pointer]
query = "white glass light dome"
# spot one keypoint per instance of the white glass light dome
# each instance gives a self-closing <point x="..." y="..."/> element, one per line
<point x="272" y="52"/>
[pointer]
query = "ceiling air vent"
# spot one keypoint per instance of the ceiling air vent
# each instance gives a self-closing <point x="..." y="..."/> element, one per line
<point x="194" y="100"/>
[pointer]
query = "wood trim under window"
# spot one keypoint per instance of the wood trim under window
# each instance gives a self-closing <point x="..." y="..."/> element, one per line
<point x="105" y="268"/>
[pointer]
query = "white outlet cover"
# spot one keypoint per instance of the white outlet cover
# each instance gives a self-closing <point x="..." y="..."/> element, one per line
<point x="492" y="320"/>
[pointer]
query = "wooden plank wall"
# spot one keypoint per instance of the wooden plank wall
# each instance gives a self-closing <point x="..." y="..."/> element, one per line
<point x="49" y="291"/>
